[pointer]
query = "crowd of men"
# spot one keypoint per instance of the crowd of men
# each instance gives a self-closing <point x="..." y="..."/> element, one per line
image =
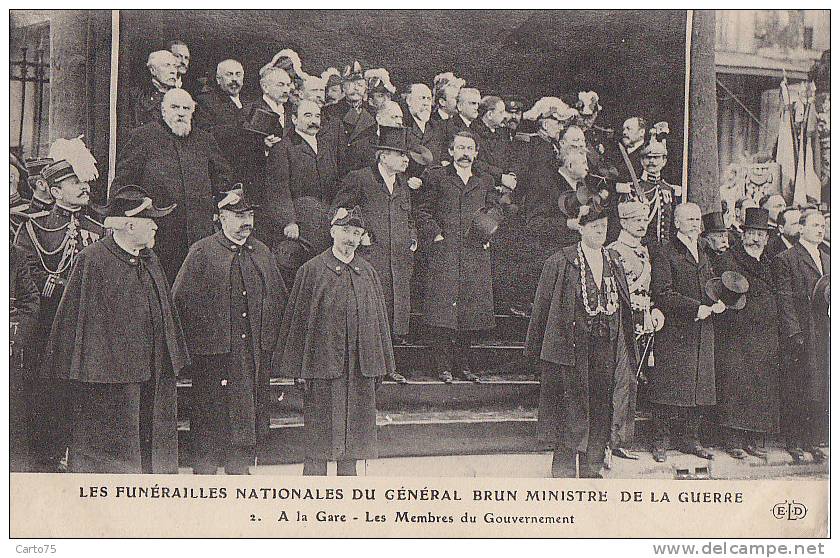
<point x="227" y="253"/>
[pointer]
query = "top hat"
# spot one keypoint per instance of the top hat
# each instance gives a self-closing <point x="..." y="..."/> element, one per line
<point x="485" y="223"/>
<point x="234" y="200"/>
<point x="756" y="218"/>
<point x="261" y="121"/>
<point x="352" y="217"/>
<point x="132" y="201"/>
<point x="713" y="222"/>
<point x="730" y="288"/>
<point x="395" y="138"/>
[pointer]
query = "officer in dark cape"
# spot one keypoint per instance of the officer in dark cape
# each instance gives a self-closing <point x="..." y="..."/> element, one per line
<point x="230" y="297"/>
<point x="118" y="344"/>
<point x="337" y="340"/>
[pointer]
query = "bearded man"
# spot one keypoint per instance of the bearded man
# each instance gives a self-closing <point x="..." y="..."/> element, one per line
<point x="179" y="165"/>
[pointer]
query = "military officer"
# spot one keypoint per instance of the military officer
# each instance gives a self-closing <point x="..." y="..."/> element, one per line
<point x="53" y="240"/>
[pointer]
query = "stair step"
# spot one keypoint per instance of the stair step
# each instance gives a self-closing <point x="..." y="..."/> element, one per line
<point x="421" y="393"/>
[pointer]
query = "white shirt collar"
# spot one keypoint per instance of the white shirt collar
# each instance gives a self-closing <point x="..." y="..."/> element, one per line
<point x="420" y="124"/>
<point x="814" y="250"/>
<point x="690" y="244"/>
<point x="389" y="180"/>
<point x="785" y="241"/>
<point x="565" y="174"/>
<point x="467" y="122"/>
<point x="275" y="106"/>
<point x="340" y="257"/>
<point x="236" y="101"/>
<point x="311" y="140"/>
<point x="239" y="242"/>
<point x="635" y="146"/>
<point x="465" y="174"/>
<point x="443" y="114"/>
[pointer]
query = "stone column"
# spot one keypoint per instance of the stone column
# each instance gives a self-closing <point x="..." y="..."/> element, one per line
<point x="68" y="73"/>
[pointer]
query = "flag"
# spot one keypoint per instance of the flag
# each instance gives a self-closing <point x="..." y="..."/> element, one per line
<point x="785" y="146"/>
<point x="807" y="187"/>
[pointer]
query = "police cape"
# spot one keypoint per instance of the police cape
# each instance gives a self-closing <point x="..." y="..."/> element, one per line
<point x="117" y="336"/>
<point x="337" y="337"/>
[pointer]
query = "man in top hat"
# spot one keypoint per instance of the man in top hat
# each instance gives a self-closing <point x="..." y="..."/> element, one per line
<point x="231" y="297"/>
<point x="682" y="383"/>
<point x="715" y="241"/>
<point x="747" y="354"/>
<point x="349" y="119"/>
<point x="458" y="297"/>
<point x="146" y="100"/>
<point x="361" y="153"/>
<point x="383" y="194"/>
<point x="805" y="338"/>
<point x="300" y="182"/>
<point x="652" y="190"/>
<point x="581" y="332"/>
<point x="117" y="346"/>
<point x="735" y="230"/>
<point x="635" y="259"/>
<point x="177" y="164"/>
<point x="338" y="340"/>
<point x="52" y="241"/>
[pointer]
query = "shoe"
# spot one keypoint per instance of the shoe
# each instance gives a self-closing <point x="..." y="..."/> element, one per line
<point x="397" y="377"/>
<point x="446" y="377"/>
<point x="818" y="454"/>
<point x="797" y="454"/>
<point x="659" y="454"/>
<point x="624" y="453"/>
<point x="469" y="376"/>
<point x="737" y="453"/>
<point x="756" y="451"/>
<point x="699" y="451"/>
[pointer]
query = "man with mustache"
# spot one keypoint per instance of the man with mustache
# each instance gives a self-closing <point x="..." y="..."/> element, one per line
<point x="349" y="120"/>
<point x="633" y="132"/>
<point x="458" y="299"/>
<point x="362" y="152"/>
<point x="230" y="297"/>
<point x="747" y="354"/>
<point x="789" y="228"/>
<point x="145" y="100"/>
<point x="300" y="182"/>
<point x="337" y="343"/>
<point x="52" y="243"/>
<point x="182" y="54"/>
<point x="176" y="164"/>
<point x="117" y="347"/>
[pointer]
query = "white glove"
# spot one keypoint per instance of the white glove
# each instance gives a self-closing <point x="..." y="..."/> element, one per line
<point x="438" y="238"/>
<point x="414" y="183"/>
<point x="271" y="140"/>
<point x="292" y="231"/>
<point x="704" y="312"/>
<point x="509" y="181"/>
<point x="718" y="307"/>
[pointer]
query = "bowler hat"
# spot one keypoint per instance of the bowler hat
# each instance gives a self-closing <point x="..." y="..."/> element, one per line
<point x="235" y="199"/>
<point x="730" y="288"/>
<point x="756" y="218"/>
<point x="713" y="222"/>
<point x="396" y="138"/>
<point x="261" y="121"/>
<point x="132" y="201"/>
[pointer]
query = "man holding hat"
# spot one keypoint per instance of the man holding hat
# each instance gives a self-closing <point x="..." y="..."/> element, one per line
<point x="458" y="298"/>
<point x="338" y="341"/>
<point x="635" y="260"/>
<point x="747" y="343"/>
<point x="230" y="296"/>
<point x="383" y="194"/>
<point x="682" y="383"/>
<point x="117" y="346"/>
<point x="52" y="241"/>
<point x="581" y="331"/>
<point x="806" y="338"/>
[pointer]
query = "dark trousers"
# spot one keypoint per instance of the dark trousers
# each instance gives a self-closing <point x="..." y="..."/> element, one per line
<point x="686" y="419"/>
<point x="318" y="467"/>
<point x="50" y="417"/>
<point x="804" y="422"/>
<point x="19" y="405"/>
<point x="451" y="349"/>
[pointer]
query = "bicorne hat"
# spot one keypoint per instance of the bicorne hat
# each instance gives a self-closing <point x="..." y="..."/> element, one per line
<point x="132" y="201"/>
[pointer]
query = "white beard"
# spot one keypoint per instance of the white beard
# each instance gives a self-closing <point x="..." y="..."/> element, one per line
<point x="180" y="129"/>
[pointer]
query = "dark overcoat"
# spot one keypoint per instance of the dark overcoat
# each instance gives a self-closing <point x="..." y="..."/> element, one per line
<point x="295" y="171"/>
<point x="684" y="374"/>
<point x="348" y="128"/>
<point x="145" y="104"/>
<point x="459" y="282"/>
<point x="747" y="351"/>
<point x="314" y="330"/>
<point x="253" y="151"/>
<point x="98" y="337"/>
<point x="389" y="217"/>
<point x="218" y="114"/>
<point x="555" y="333"/>
<point x="429" y="138"/>
<point x="182" y="170"/>
<point x="494" y="150"/>
<point x="796" y="274"/>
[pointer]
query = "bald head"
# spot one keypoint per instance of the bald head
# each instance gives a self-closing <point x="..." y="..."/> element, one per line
<point x="230" y="76"/>
<point x="687" y="219"/>
<point x="389" y="114"/>
<point x="163" y="66"/>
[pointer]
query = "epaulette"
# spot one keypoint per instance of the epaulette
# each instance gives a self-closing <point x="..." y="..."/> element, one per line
<point x="522" y="136"/>
<point x="36" y="215"/>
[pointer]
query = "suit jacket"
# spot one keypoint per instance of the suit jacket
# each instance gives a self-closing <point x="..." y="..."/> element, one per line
<point x="145" y="105"/>
<point x="217" y="113"/>
<point x="294" y="172"/>
<point x="685" y="365"/>
<point x="347" y="127"/>
<point x="796" y="273"/>
<point x="183" y="170"/>
<point x="494" y="149"/>
<point x="430" y="138"/>
<point x="543" y="185"/>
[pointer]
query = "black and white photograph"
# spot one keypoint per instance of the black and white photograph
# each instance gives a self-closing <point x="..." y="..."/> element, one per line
<point x="420" y="244"/>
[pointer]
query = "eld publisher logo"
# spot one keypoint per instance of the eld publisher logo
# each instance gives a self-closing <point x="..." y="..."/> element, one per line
<point x="789" y="510"/>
